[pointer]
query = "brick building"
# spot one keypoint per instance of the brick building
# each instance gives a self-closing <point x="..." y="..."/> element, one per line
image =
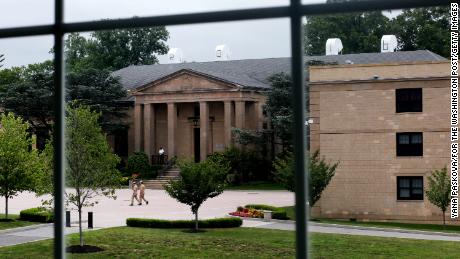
<point x="384" y="116"/>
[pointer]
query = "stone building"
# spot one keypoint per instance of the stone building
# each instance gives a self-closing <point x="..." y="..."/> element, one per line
<point x="383" y="116"/>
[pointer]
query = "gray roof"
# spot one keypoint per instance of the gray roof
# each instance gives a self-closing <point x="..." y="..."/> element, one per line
<point x="253" y="73"/>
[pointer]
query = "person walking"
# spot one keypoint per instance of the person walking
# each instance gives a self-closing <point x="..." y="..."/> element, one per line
<point x="142" y="193"/>
<point x="134" y="196"/>
<point x="161" y="154"/>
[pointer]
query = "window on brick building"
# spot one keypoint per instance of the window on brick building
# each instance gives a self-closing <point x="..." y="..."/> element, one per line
<point x="410" y="187"/>
<point x="409" y="100"/>
<point x="409" y="144"/>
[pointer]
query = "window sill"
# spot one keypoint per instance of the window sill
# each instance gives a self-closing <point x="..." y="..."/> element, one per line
<point x="410" y="200"/>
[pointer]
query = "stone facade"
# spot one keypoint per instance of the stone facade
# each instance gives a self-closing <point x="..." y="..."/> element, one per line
<point x="168" y="113"/>
<point x="353" y="107"/>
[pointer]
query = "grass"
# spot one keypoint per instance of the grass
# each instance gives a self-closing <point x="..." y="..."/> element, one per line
<point x="265" y="186"/>
<point x="124" y="242"/>
<point x="411" y="226"/>
<point x="15" y="223"/>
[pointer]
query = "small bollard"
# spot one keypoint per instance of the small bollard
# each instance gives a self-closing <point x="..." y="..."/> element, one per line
<point x="268" y="214"/>
<point x="67" y="219"/>
<point x="90" y="219"/>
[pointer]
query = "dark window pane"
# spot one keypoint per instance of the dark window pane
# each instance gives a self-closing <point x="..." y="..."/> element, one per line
<point x="409" y="100"/>
<point x="409" y="144"/>
<point x="410" y="187"/>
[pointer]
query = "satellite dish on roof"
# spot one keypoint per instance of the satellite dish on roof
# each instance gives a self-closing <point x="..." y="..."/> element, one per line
<point x="222" y="52"/>
<point x="388" y="43"/>
<point x="175" y="55"/>
<point x="333" y="46"/>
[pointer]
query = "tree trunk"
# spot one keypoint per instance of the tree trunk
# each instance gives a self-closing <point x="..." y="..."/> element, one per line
<point x="196" y="220"/>
<point x="444" y="217"/>
<point x="79" y="227"/>
<point x="6" y="207"/>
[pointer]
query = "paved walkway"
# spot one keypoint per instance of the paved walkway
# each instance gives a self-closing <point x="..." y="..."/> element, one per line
<point x="358" y="230"/>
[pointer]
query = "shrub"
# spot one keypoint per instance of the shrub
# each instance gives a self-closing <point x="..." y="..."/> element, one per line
<point x="160" y="223"/>
<point x="138" y="162"/>
<point x="278" y="213"/>
<point x="245" y="165"/>
<point x="39" y="214"/>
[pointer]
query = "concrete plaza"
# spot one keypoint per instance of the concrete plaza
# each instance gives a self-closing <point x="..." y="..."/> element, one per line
<point x="111" y="213"/>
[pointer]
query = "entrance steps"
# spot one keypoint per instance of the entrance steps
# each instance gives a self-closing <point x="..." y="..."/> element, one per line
<point x="162" y="179"/>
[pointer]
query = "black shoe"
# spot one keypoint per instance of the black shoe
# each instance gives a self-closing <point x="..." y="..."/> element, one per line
<point x="147" y="203"/>
<point x="131" y="204"/>
<point x="139" y="204"/>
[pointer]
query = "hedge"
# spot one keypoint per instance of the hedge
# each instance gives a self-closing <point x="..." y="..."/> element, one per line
<point x="278" y="213"/>
<point x="37" y="215"/>
<point x="161" y="223"/>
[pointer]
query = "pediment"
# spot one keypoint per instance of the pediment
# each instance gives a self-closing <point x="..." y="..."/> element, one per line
<point x="186" y="81"/>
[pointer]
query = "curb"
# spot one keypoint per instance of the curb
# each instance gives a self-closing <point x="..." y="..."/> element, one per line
<point x="12" y="230"/>
<point x="390" y="230"/>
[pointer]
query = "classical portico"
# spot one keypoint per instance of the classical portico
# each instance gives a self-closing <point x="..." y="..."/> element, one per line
<point x="191" y="114"/>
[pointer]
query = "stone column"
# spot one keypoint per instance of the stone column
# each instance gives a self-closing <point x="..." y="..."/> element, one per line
<point x="240" y="115"/>
<point x="228" y="123"/>
<point x="259" y="115"/>
<point x="172" y="122"/>
<point x="149" y="134"/>
<point x="137" y="127"/>
<point x="204" y="127"/>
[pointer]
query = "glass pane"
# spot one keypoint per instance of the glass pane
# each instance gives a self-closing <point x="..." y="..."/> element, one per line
<point x="15" y="13"/>
<point x="404" y="139"/>
<point x="404" y="193"/>
<point x="168" y="106"/>
<point x="83" y="10"/>
<point x="404" y="182"/>
<point x="417" y="183"/>
<point x="416" y="139"/>
<point x="417" y="191"/>
<point x="26" y="171"/>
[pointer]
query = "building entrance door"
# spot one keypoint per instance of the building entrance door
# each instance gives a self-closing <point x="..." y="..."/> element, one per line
<point x="196" y="144"/>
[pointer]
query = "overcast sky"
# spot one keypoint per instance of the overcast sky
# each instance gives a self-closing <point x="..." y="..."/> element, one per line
<point x="246" y="39"/>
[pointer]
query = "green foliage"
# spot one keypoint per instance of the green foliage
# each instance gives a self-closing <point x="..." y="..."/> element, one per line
<point x="90" y="164"/>
<point x="359" y="32"/>
<point x="245" y="165"/>
<point x="138" y="162"/>
<point x="279" y="107"/>
<point x="416" y="29"/>
<point x="17" y="159"/>
<point x="424" y="28"/>
<point x="28" y="92"/>
<point x="39" y="214"/>
<point x="102" y="93"/>
<point x="320" y="174"/>
<point x="278" y="212"/>
<point x="161" y="223"/>
<point x="116" y="49"/>
<point x="438" y="192"/>
<point x="198" y="182"/>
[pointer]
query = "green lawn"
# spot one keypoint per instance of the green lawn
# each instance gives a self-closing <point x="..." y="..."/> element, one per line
<point x="13" y="224"/>
<point x="267" y="186"/>
<point x="127" y="242"/>
<point x="426" y="227"/>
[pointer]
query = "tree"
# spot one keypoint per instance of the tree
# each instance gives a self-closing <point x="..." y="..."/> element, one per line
<point x="279" y="107"/>
<point x="319" y="175"/>
<point x="16" y="157"/>
<point x="424" y="28"/>
<point x="438" y="192"/>
<point x="116" y="49"/>
<point x="359" y="32"/>
<point x="198" y="182"/>
<point x="102" y="93"/>
<point x="28" y="92"/>
<point x="90" y="165"/>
